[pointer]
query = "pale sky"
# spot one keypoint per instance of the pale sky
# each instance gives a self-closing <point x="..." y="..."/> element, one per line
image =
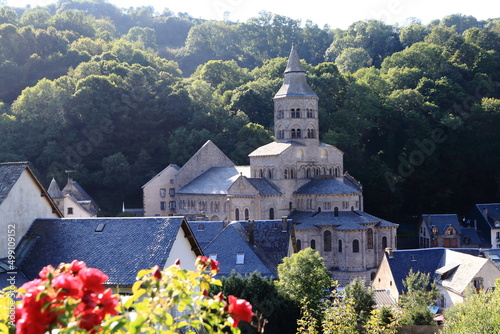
<point x="335" y="13"/>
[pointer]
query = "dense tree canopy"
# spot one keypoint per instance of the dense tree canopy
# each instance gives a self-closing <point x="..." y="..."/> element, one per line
<point x="414" y="108"/>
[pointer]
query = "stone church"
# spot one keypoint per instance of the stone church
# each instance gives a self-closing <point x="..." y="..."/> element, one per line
<point x="295" y="176"/>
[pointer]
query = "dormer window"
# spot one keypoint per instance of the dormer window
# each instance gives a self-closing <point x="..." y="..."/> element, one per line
<point x="435" y="230"/>
<point x="213" y="256"/>
<point x="240" y="258"/>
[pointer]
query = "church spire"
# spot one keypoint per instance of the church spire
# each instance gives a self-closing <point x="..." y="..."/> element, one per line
<point x="296" y="105"/>
<point x="295" y="83"/>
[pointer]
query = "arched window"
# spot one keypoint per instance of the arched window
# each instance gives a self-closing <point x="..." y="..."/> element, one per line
<point x="247" y="214"/>
<point x="340" y="246"/>
<point x="313" y="244"/>
<point x="308" y="171"/>
<point x="294" y="134"/>
<point x="355" y="246"/>
<point x="336" y="211"/>
<point x="292" y="173"/>
<point x="299" y="244"/>
<point x="237" y="214"/>
<point x="269" y="174"/>
<point x="327" y="240"/>
<point x="286" y="173"/>
<point x="299" y="134"/>
<point x="369" y="238"/>
<point x="384" y="242"/>
<point x="271" y="213"/>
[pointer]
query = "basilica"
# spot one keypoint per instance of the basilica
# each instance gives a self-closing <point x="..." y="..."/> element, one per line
<point x="295" y="176"/>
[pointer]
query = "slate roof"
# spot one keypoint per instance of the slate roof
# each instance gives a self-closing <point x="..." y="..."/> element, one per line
<point x="215" y="181"/>
<point x="74" y="190"/>
<point x="428" y="260"/>
<point x="125" y="245"/>
<point x="271" y="242"/>
<point x="493" y="212"/>
<point x="295" y="83"/>
<point x="345" y="220"/>
<point x="272" y="237"/>
<point x="442" y="222"/>
<point x="254" y="258"/>
<point x="264" y="186"/>
<point x="206" y="231"/>
<point x="54" y="191"/>
<point x="274" y="148"/>
<point x="325" y="187"/>
<point x="9" y="174"/>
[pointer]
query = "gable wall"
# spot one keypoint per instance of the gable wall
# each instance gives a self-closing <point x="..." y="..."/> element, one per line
<point x="181" y="249"/>
<point x="151" y="193"/>
<point x="21" y="207"/>
<point x="384" y="280"/>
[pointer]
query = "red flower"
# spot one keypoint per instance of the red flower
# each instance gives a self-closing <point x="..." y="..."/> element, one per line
<point x="214" y="265"/>
<point x="69" y="285"/>
<point x="76" y="266"/>
<point x="93" y="279"/>
<point x="45" y="272"/>
<point x="178" y="262"/>
<point x="157" y="272"/>
<point x="239" y="309"/>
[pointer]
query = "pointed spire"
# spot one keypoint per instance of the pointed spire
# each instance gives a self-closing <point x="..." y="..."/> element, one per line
<point x="294" y="64"/>
<point x="295" y="83"/>
<point x="54" y="190"/>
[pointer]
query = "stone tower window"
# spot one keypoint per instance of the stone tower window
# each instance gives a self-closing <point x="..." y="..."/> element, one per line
<point x="271" y="213"/>
<point x="327" y="240"/>
<point x="355" y="246"/>
<point x="299" y="244"/>
<point x="247" y="214"/>
<point x="313" y="244"/>
<point x="340" y="246"/>
<point x="237" y="214"/>
<point x="384" y="242"/>
<point x="370" y="238"/>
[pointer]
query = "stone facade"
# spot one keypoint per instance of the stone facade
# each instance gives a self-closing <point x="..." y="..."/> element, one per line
<point x="296" y="176"/>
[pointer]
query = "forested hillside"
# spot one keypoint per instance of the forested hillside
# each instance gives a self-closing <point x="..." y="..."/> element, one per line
<point x="118" y="94"/>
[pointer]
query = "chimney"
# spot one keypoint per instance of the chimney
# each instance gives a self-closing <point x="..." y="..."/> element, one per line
<point x="390" y="252"/>
<point x="284" y="224"/>
<point x="251" y="236"/>
<point x="485" y="212"/>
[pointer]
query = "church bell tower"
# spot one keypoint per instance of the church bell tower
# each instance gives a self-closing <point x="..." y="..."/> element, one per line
<point x="296" y="106"/>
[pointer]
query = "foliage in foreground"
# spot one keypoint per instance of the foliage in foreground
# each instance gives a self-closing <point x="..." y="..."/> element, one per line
<point x="478" y="314"/>
<point x="73" y="299"/>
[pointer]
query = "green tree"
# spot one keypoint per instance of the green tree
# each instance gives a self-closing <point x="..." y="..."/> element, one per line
<point x="352" y="59"/>
<point x="340" y="317"/>
<point x="478" y="314"/>
<point x="279" y="311"/>
<point x="362" y="296"/>
<point x="420" y="293"/>
<point x="304" y="274"/>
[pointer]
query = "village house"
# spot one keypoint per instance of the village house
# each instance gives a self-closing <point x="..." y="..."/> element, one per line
<point x="22" y="200"/>
<point x="119" y="247"/>
<point x="487" y="218"/>
<point x="243" y="247"/>
<point x="455" y="271"/>
<point x="295" y="176"/>
<point x="446" y="230"/>
<point x="72" y="200"/>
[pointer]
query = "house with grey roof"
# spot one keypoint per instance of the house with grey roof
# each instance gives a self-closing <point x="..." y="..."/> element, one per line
<point x="446" y="230"/>
<point x="486" y="217"/>
<point x="455" y="271"/>
<point x="244" y="247"/>
<point x="293" y="174"/>
<point x="73" y="201"/>
<point x="22" y="199"/>
<point x="119" y="247"/>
